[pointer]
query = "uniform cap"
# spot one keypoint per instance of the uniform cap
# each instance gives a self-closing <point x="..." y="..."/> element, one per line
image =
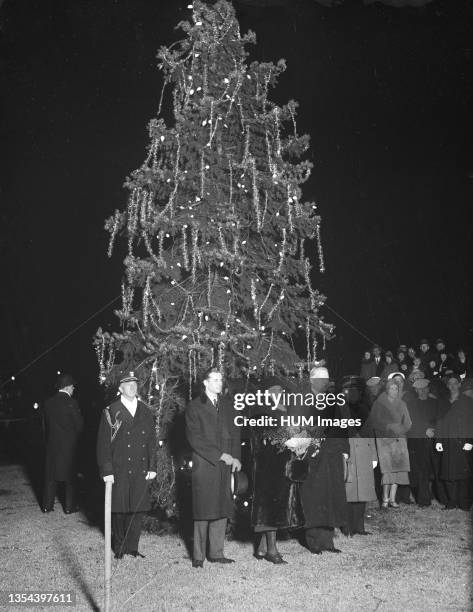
<point x="130" y="377"/>
<point x="373" y="381"/>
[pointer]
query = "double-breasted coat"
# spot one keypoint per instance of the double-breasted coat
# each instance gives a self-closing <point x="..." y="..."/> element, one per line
<point x="64" y="424"/>
<point x="211" y="431"/>
<point x="129" y="457"/>
<point x="453" y="430"/>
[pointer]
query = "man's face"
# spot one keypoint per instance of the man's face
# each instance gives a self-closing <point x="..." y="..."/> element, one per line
<point x="275" y="393"/>
<point x="376" y="351"/>
<point x="129" y="389"/>
<point x="440" y="346"/>
<point x="453" y="386"/>
<point x="411" y="352"/>
<point x="214" y="383"/>
<point x="423" y="392"/>
<point x="424" y="347"/>
<point x="319" y="385"/>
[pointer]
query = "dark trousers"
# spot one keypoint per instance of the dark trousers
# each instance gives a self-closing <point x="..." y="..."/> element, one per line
<point x="459" y="494"/>
<point x="319" y="538"/>
<point x="126" y="529"/>
<point x="215" y="530"/>
<point x="438" y="486"/>
<point x="420" y="457"/>
<point x="49" y="493"/>
<point x="356" y="517"/>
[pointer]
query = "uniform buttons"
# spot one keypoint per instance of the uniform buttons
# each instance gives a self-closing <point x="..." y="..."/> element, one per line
<point x="128" y="446"/>
<point x="143" y="445"/>
<point x="129" y="471"/>
<point x="129" y="458"/>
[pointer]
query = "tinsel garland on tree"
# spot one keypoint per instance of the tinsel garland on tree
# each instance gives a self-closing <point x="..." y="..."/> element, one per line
<point x="217" y="271"/>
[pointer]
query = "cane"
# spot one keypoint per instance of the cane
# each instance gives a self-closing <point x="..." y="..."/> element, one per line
<point x="108" y="543"/>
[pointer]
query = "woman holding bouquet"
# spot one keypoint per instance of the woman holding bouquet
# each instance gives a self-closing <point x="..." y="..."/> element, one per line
<point x="276" y="500"/>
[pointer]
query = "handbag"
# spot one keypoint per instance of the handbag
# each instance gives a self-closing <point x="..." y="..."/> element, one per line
<point x="297" y="469"/>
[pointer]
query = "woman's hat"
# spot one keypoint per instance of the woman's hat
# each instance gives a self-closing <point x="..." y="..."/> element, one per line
<point x="393" y="374"/>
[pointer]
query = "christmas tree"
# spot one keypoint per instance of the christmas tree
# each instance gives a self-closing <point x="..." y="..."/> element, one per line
<point x="217" y="271"/>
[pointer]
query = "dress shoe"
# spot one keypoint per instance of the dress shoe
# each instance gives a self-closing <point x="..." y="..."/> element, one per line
<point x="71" y="510"/>
<point x="315" y="551"/>
<point x="259" y="555"/>
<point x="276" y="559"/>
<point x="135" y="554"/>
<point x="196" y="563"/>
<point x="221" y="560"/>
<point x="46" y="510"/>
<point x="362" y="532"/>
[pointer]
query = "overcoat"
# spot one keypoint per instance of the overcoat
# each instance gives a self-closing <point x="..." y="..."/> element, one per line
<point x="391" y="422"/>
<point x="359" y="485"/>
<point x="211" y="431"/>
<point x="64" y="424"/>
<point x="130" y="455"/>
<point x="276" y="499"/>
<point x="323" y="496"/>
<point x="453" y="431"/>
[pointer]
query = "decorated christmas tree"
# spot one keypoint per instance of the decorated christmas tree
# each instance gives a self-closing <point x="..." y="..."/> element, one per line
<point x="217" y="271"/>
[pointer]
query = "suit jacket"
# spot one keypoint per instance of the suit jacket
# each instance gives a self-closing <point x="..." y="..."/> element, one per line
<point x="210" y="433"/>
<point x="64" y="424"/>
<point x="130" y="455"/>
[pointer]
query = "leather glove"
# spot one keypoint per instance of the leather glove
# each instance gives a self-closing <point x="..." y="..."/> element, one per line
<point x="109" y="478"/>
<point x="150" y="475"/>
<point x="467" y="446"/>
<point x="439" y="447"/>
<point x="375" y="463"/>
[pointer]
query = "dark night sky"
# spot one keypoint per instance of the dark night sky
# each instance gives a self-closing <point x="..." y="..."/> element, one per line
<point x="385" y="94"/>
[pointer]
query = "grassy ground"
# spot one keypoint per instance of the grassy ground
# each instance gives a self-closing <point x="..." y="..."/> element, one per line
<point x="415" y="559"/>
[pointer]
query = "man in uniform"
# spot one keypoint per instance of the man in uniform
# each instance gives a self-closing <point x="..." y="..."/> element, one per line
<point x="64" y="424"/>
<point x="126" y="455"/>
<point x="215" y="443"/>
<point x="323" y="493"/>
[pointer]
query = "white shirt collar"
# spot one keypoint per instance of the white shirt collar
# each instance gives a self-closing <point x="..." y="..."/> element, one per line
<point x="64" y="391"/>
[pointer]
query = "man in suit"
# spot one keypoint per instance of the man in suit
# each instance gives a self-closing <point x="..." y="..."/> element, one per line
<point x="126" y="456"/>
<point x="64" y="424"/>
<point x="215" y="443"/>
<point x="378" y="361"/>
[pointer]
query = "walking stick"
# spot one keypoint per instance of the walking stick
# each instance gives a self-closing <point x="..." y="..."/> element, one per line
<point x="108" y="543"/>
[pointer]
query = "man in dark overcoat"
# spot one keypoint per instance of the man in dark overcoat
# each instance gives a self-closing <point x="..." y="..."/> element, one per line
<point x="126" y="456"/>
<point x="424" y="411"/>
<point x="215" y="442"/>
<point x="323" y="493"/>
<point x="64" y="424"/>
<point x="454" y="434"/>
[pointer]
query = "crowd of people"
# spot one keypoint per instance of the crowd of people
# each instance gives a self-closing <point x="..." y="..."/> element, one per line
<point x="395" y="435"/>
<point x="434" y="362"/>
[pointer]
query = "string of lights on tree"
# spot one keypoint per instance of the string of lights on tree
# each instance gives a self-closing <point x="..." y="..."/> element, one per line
<point x="218" y="235"/>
